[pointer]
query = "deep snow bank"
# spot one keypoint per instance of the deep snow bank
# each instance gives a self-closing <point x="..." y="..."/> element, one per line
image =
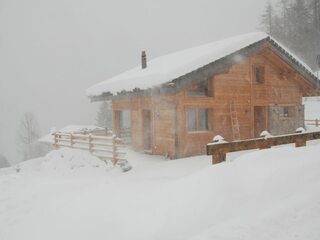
<point x="269" y="194"/>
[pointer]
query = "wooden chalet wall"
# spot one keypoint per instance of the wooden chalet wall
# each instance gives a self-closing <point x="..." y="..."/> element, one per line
<point x="162" y="109"/>
<point x="282" y="86"/>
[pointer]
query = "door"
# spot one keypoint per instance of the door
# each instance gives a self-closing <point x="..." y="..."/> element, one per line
<point x="147" y="129"/>
<point x="260" y="120"/>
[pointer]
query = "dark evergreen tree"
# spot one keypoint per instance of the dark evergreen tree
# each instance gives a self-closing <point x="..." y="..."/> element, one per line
<point x="267" y="19"/>
<point x="296" y="25"/>
<point x="104" y="115"/>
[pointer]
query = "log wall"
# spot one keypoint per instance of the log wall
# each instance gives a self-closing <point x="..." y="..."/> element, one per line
<point x="282" y="86"/>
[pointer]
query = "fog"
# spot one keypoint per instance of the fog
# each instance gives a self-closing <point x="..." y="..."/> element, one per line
<point x="51" y="51"/>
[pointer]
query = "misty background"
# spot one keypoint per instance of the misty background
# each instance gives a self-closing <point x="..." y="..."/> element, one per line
<point x="51" y="51"/>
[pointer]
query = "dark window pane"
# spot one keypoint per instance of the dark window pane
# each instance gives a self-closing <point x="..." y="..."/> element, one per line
<point x="286" y="111"/>
<point x="203" y="119"/>
<point x="259" y="74"/>
<point x="192" y="120"/>
<point x="200" y="90"/>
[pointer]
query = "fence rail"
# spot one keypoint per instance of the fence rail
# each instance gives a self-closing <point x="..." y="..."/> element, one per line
<point x="104" y="147"/>
<point x="219" y="150"/>
<point x="315" y="122"/>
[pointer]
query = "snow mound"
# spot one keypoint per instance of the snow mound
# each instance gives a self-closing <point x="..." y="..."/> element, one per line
<point x="67" y="160"/>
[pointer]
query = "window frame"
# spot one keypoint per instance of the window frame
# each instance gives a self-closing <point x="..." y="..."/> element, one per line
<point x="259" y="74"/>
<point x="197" y="128"/>
<point x="193" y="93"/>
<point x="286" y="112"/>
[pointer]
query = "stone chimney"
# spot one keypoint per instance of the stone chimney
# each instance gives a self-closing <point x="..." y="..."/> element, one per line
<point x="143" y="60"/>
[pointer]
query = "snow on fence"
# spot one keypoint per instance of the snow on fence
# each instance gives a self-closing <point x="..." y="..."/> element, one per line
<point x="315" y="122"/>
<point x="218" y="150"/>
<point x="104" y="147"/>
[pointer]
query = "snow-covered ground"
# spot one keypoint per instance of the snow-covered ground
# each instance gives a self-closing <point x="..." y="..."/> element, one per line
<point x="267" y="194"/>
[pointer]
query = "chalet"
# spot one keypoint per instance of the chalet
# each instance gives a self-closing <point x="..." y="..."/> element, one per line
<point x="238" y="87"/>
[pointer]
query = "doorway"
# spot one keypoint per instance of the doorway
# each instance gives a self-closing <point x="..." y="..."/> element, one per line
<point x="260" y="120"/>
<point x="122" y="125"/>
<point x="147" y="130"/>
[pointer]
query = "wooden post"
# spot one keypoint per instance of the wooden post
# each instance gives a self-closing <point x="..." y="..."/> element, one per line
<point x="90" y="143"/>
<point x="114" y="149"/>
<point x="301" y="141"/>
<point x="317" y="122"/>
<point x="71" y="140"/>
<point x="55" y="141"/>
<point x="218" y="157"/>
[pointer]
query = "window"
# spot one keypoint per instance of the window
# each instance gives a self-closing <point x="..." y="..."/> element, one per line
<point x="199" y="90"/>
<point x="286" y="112"/>
<point x="258" y="72"/>
<point x="197" y="120"/>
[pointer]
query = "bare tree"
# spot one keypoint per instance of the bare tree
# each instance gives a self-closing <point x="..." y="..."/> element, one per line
<point x="4" y="162"/>
<point x="27" y="137"/>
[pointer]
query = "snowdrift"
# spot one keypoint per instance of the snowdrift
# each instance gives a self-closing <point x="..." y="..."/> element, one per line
<point x="268" y="194"/>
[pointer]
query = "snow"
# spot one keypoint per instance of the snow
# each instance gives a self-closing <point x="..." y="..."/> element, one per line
<point x="70" y="129"/>
<point x="166" y="68"/>
<point x="311" y="111"/>
<point x="266" y="134"/>
<point x="169" y="67"/>
<point x="68" y="194"/>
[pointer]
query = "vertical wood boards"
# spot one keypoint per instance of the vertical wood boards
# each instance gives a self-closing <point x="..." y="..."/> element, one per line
<point x="281" y="86"/>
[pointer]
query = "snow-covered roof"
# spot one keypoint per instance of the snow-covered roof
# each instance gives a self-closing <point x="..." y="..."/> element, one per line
<point x="169" y="67"/>
<point x="70" y="129"/>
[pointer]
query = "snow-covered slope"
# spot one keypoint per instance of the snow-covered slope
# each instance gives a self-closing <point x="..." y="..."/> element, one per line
<point x="268" y="194"/>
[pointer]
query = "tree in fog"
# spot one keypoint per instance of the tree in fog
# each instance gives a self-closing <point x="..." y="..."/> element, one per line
<point x="296" y="24"/>
<point x="27" y="137"/>
<point x="104" y="115"/>
<point x="267" y="20"/>
<point x="3" y="162"/>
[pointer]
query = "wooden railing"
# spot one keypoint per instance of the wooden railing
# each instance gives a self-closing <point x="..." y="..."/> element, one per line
<point x="315" y="122"/>
<point x="219" y="150"/>
<point x="104" y="147"/>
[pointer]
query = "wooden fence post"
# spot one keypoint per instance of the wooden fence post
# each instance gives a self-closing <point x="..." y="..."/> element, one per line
<point x="114" y="149"/>
<point x="55" y="141"/>
<point x="71" y="140"/>
<point x="317" y="122"/>
<point x="90" y="143"/>
<point x="218" y="157"/>
<point x="301" y="141"/>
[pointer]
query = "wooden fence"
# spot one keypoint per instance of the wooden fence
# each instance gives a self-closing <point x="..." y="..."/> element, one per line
<point x="104" y="147"/>
<point x="315" y="122"/>
<point x="219" y="150"/>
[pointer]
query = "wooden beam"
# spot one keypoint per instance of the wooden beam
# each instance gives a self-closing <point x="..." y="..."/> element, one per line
<point x="219" y="151"/>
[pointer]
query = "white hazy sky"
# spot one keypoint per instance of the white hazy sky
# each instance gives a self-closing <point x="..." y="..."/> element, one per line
<point x="52" y="50"/>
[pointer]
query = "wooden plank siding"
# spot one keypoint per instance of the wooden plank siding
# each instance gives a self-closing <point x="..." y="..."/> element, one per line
<point x="282" y="85"/>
